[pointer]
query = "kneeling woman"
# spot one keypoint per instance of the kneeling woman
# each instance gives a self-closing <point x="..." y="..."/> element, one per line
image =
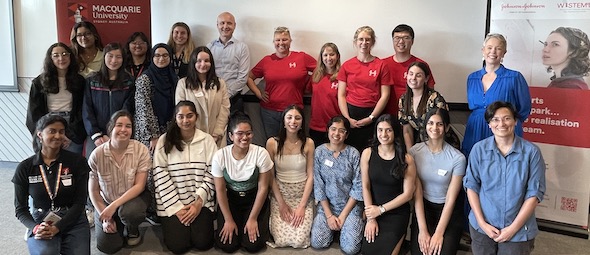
<point x="337" y="188"/>
<point x="185" y="197"/>
<point x="56" y="180"/>
<point x="438" y="222"/>
<point x="388" y="176"/>
<point x="242" y="174"/>
<point x="116" y="185"/>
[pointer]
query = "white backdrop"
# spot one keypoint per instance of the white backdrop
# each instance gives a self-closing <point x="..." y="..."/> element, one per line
<point x="448" y="33"/>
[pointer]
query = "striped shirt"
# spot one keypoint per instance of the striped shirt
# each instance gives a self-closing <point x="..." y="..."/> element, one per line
<point x="114" y="179"/>
<point x="182" y="176"/>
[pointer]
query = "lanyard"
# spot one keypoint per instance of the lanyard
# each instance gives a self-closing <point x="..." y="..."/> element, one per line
<point x="52" y="195"/>
<point x="138" y="73"/>
<point x="176" y="62"/>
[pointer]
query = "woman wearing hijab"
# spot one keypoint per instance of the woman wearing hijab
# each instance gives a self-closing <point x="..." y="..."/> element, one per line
<point x="154" y="97"/>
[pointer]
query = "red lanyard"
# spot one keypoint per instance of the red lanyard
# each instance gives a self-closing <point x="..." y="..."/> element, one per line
<point x="52" y="195"/>
<point x="138" y="73"/>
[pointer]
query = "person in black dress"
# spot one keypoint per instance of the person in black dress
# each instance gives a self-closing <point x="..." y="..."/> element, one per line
<point x="388" y="176"/>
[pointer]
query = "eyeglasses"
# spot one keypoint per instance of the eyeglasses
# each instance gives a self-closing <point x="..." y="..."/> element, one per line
<point x="87" y="35"/>
<point x="398" y="38"/>
<point x="339" y="130"/>
<point x="164" y="56"/>
<point x="502" y="119"/>
<point x="138" y="43"/>
<point x="242" y="133"/>
<point x="64" y="54"/>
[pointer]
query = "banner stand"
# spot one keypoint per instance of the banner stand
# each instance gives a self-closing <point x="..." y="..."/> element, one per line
<point x="563" y="228"/>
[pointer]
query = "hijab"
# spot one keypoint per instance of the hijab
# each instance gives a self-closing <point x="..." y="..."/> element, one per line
<point x="164" y="86"/>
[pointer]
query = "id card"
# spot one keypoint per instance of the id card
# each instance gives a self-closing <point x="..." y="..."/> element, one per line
<point x="51" y="218"/>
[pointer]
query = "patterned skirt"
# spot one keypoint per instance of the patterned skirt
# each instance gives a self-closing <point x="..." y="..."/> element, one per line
<point x="283" y="233"/>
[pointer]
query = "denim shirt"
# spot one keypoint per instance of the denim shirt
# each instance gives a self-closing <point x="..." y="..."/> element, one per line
<point x="503" y="183"/>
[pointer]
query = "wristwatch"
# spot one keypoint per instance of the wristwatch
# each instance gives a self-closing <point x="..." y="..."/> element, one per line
<point x="371" y="117"/>
<point x="382" y="209"/>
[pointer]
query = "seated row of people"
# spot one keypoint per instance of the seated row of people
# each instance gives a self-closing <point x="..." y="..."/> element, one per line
<point x="191" y="176"/>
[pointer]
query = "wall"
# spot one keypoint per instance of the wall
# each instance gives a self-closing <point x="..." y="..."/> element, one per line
<point x="447" y="35"/>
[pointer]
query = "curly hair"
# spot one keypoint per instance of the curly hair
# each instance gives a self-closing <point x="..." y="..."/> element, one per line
<point x="578" y="49"/>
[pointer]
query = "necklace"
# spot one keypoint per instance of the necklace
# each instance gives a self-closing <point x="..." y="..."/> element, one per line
<point x="89" y="57"/>
<point x="290" y="147"/>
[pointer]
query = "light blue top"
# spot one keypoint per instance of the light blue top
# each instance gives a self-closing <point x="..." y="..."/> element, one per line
<point x="337" y="179"/>
<point x="509" y="86"/>
<point x="503" y="183"/>
<point x="436" y="170"/>
<point x="232" y="64"/>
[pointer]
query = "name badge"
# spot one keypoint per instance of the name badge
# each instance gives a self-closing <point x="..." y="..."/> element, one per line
<point x="328" y="163"/>
<point x="199" y="94"/>
<point x="442" y="172"/>
<point x="67" y="182"/>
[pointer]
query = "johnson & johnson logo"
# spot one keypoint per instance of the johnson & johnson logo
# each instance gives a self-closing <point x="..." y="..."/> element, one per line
<point x="524" y="7"/>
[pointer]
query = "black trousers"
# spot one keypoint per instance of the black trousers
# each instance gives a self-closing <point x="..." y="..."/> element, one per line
<point x="240" y="205"/>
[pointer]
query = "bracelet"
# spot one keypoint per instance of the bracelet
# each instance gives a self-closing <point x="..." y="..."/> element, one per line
<point x="381" y="209"/>
<point x="330" y="216"/>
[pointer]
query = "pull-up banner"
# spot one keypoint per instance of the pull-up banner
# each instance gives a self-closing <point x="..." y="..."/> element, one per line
<point x="115" y="20"/>
<point x="548" y="44"/>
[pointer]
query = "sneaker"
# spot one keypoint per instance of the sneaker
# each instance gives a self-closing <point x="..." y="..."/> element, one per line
<point x="133" y="240"/>
<point x="90" y="217"/>
<point x="153" y="219"/>
<point x="133" y="236"/>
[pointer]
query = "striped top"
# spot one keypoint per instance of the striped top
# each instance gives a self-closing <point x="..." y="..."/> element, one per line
<point x="114" y="179"/>
<point x="182" y="176"/>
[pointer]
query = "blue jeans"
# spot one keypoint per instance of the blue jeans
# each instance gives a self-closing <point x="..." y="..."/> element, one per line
<point x="272" y="122"/>
<point x="75" y="240"/>
<point x="77" y="148"/>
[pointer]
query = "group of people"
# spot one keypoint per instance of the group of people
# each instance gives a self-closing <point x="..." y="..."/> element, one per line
<point x="154" y="125"/>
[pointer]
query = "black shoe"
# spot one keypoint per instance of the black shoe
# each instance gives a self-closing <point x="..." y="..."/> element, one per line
<point x="153" y="219"/>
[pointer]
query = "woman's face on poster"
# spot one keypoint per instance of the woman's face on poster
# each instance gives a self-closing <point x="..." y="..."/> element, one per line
<point x="555" y="51"/>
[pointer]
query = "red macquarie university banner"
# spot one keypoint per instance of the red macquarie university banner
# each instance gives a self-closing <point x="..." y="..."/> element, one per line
<point x="115" y="20"/>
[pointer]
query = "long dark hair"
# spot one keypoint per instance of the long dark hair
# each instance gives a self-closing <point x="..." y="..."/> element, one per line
<point x="192" y="77"/>
<point x="48" y="77"/>
<point x="129" y="56"/>
<point x="398" y="169"/>
<point x="426" y="90"/>
<point x="42" y="123"/>
<point x="103" y="74"/>
<point x="283" y="131"/>
<point x="77" y="48"/>
<point x="173" y="135"/>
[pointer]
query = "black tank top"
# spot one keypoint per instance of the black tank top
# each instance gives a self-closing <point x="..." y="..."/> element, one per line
<point x="384" y="187"/>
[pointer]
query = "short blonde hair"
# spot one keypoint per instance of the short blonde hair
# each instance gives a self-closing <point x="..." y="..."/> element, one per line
<point x="281" y="30"/>
<point x="496" y="36"/>
<point x="366" y="29"/>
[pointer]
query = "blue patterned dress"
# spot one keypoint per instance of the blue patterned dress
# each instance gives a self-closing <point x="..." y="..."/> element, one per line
<point x="336" y="180"/>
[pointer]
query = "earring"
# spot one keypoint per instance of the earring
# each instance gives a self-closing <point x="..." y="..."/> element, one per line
<point x="501" y="60"/>
<point x="483" y="58"/>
